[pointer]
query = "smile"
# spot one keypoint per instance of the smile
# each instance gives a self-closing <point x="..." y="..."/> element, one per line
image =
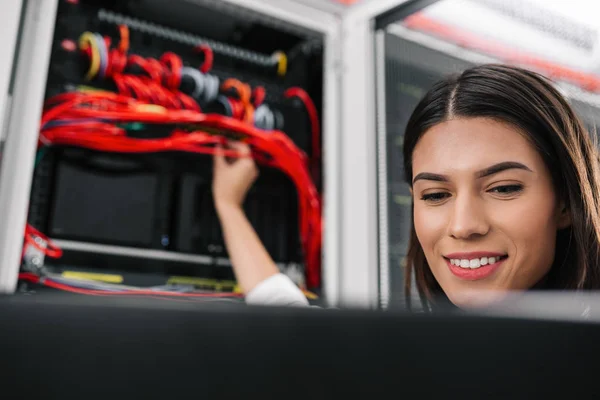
<point x="474" y="266"/>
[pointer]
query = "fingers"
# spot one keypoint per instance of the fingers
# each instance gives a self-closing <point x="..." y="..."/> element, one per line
<point x="221" y="161"/>
<point x="245" y="162"/>
<point x="219" y="157"/>
<point x="242" y="148"/>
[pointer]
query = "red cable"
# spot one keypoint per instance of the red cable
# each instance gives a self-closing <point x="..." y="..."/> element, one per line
<point x="174" y="65"/>
<point x="259" y="95"/>
<point x="51" y="250"/>
<point x="312" y="114"/>
<point x="237" y="108"/>
<point x="158" y="71"/>
<point x="208" y="58"/>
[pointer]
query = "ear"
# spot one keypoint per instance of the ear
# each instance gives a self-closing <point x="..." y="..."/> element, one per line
<point x="411" y="191"/>
<point x="563" y="217"/>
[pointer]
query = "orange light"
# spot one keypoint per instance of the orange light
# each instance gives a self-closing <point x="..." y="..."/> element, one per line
<point x="347" y="2"/>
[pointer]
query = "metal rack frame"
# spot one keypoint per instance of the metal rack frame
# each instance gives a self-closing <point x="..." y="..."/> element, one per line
<point x="363" y="252"/>
<point x="22" y="126"/>
<point x="10" y="34"/>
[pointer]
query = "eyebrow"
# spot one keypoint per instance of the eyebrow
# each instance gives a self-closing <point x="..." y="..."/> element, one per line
<point x="494" y="169"/>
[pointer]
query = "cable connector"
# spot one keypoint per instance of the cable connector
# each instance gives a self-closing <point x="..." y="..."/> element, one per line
<point x="34" y="256"/>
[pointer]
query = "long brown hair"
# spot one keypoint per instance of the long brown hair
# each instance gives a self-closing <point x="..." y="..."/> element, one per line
<point x="531" y="103"/>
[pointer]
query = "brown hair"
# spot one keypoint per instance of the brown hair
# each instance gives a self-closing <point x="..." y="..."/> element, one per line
<point x="531" y="103"/>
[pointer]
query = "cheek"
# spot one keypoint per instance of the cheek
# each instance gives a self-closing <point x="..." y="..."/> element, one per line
<point x="535" y="241"/>
<point x="430" y="225"/>
<point x="531" y="227"/>
<point x="530" y="222"/>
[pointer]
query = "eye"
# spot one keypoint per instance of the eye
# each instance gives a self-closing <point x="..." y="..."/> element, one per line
<point x="435" y="197"/>
<point x="506" y="190"/>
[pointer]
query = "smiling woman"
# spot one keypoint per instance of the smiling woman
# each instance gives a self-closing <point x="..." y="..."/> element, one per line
<point x="505" y="188"/>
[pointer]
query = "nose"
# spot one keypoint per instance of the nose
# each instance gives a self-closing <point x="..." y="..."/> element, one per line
<point x="468" y="219"/>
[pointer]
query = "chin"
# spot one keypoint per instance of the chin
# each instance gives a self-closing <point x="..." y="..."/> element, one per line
<point x="474" y="299"/>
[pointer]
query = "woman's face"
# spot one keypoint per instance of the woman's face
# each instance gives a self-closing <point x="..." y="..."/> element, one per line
<point x="485" y="210"/>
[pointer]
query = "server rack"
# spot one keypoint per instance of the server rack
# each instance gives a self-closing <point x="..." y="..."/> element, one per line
<point x="31" y="80"/>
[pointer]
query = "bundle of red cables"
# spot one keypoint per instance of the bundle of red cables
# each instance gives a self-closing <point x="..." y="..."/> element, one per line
<point x="90" y="120"/>
<point x="162" y="79"/>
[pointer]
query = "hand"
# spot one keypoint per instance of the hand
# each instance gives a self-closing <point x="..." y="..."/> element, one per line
<point x="232" y="180"/>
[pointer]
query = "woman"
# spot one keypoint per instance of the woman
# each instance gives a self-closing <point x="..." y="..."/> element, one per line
<point x="505" y="185"/>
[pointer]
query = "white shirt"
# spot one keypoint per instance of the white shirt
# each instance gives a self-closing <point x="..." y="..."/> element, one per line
<point x="277" y="290"/>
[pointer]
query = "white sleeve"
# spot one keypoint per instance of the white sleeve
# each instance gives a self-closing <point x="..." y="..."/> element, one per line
<point x="277" y="290"/>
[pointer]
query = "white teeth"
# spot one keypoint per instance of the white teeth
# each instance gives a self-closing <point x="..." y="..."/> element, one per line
<point x="474" y="263"/>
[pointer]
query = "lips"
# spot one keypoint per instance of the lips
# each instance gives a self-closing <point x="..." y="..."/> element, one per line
<point x="474" y="265"/>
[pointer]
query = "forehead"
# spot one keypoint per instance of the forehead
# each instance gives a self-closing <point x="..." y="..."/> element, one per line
<point x="471" y="144"/>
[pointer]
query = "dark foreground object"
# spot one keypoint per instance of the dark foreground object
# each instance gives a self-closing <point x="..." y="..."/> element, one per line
<point x="61" y="346"/>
